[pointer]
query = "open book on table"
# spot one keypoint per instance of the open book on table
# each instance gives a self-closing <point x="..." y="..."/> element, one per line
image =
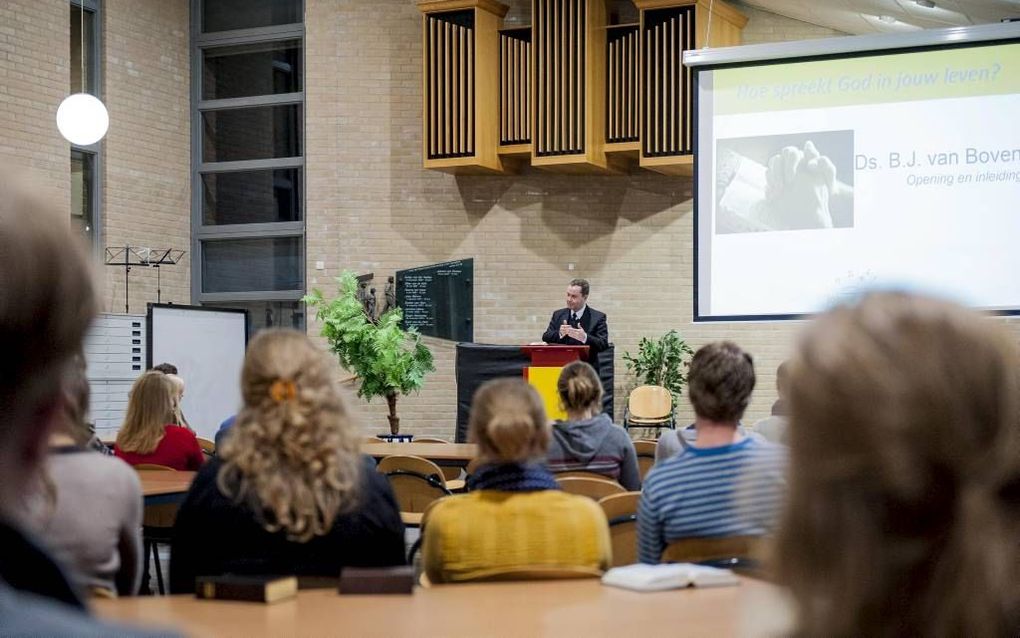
<point x="642" y="577"/>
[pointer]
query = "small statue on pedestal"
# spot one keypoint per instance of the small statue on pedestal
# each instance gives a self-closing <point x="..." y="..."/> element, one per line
<point x="390" y="295"/>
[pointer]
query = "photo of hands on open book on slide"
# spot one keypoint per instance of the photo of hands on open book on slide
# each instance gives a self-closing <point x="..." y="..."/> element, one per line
<point x="785" y="182"/>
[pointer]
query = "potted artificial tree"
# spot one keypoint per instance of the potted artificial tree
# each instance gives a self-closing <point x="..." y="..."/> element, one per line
<point x="663" y="362"/>
<point x="388" y="360"/>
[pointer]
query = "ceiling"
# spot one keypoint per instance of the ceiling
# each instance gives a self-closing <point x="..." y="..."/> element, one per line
<point x="884" y="16"/>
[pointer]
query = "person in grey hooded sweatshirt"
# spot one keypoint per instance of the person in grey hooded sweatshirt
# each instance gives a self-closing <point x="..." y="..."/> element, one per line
<point x="589" y="440"/>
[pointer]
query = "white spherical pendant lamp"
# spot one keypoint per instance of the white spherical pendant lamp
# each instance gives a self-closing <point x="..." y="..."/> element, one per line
<point x="82" y="119"/>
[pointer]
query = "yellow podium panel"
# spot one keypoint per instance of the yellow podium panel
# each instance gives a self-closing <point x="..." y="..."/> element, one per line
<point x="544" y="381"/>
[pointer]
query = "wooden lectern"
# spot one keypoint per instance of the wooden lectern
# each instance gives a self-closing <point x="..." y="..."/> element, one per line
<point x="544" y="372"/>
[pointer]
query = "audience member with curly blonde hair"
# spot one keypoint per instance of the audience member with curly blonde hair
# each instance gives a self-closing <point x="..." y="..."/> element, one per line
<point x="149" y="433"/>
<point x="515" y="522"/>
<point x="289" y="492"/>
<point x="903" y="516"/>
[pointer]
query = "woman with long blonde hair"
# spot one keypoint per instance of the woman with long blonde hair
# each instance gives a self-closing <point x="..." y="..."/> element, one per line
<point x="903" y="516"/>
<point x="149" y="433"/>
<point x="289" y="493"/>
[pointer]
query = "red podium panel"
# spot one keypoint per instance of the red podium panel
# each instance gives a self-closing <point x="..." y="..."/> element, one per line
<point x="554" y="356"/>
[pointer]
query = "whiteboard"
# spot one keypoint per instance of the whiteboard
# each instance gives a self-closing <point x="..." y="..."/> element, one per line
<point x="207" y="345"/>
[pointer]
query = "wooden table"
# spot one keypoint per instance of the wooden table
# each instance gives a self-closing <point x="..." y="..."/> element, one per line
<point x="535" y="608"/>
<point x="452" y="454"/>
<point x="160" y="487"/>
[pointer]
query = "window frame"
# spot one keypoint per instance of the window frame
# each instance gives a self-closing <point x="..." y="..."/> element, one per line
<point x="94" y="151"/>
<point x="202" y="232"/>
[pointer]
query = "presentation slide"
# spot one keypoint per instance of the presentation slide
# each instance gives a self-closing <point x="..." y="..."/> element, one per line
<point x="820" y="179"/>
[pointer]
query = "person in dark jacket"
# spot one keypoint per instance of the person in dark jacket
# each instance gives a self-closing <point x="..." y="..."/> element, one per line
<point x="289" y="493"/>
<point x="589" y="440"/>
<point x="579" y="324"/>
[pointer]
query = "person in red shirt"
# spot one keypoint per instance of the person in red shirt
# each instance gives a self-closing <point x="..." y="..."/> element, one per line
<point x="148" y="434"/>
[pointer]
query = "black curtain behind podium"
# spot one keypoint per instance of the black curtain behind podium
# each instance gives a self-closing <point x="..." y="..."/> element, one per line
<point x="479" y="362"/>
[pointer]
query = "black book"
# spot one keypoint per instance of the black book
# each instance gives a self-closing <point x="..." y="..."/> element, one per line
<point x="261" y="589"/>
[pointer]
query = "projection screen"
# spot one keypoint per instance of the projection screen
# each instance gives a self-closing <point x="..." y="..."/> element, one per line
<point x="828" y="167"/>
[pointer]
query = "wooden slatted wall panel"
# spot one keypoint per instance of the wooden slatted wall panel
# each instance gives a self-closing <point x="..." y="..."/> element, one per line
<point x="515" y="86"/>
<point x="668" y="106"/>
<point x="450" y="85"/>
<point x="558" y="28"/>
<point x="622" y="85"/>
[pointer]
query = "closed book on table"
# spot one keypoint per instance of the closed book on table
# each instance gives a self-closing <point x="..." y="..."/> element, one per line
<point x="377" y="580"/>
<point x="260" y="589"/>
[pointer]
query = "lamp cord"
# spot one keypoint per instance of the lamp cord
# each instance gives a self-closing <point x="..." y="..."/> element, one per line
<point x="708" y="29"/>
<point x="82" y="42"/>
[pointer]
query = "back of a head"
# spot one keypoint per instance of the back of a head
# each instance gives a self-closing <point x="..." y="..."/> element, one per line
<point x="508" y="422"/>
<point x="579" y="387"/>
<point x="76" y="402"/>
<point x="46" y="305"/>
<point x="165" y="368"/>
<point x="294" y="451"/>
<point x="783" y="379"/>
<point x="720" y="381"/>
<point x="150" y="408"/>
<point x="905" y="449"/>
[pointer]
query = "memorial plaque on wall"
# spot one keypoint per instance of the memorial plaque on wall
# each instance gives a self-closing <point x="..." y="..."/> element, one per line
<point x="439" y="300"/>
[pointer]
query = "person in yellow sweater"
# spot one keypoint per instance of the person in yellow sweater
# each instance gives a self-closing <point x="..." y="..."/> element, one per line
<point x="515" y="521"/>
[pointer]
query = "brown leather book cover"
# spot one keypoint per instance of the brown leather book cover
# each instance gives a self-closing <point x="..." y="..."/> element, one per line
<point x="377" y="580"/>
<point x="261" y="589"/>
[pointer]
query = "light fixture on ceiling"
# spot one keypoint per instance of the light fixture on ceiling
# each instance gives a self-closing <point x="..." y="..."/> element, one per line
<point x="927" y="4"/>
<point x="82" y="118"/>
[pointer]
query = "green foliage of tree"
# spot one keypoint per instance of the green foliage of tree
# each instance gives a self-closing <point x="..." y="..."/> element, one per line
<point x="388" y="360"/>
<point x="662" y="361"/>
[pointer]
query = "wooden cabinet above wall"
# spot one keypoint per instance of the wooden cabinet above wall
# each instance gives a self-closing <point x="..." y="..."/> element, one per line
<point x="667" y="29"/>
<point x="460" y="110"/>
<point x="570" y="93"/>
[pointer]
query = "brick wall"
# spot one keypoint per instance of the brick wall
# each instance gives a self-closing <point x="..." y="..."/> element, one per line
<point x="34" y="78"/>
<point x="147" y="181"/>
<point x="145" y="184"/>
<point x="372" y="208"/>
<point x="370" y="205"/>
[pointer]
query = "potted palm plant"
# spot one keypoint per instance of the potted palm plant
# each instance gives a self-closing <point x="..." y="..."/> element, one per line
<point x="387" y="360"/>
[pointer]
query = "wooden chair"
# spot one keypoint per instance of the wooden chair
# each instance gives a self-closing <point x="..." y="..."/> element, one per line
<point x="208" y="447"/>
<point x="594" y="488"/>
<point x="153" y="466"/>
<point x="416" y="482"/>
<point x="580" y="474"/>
<point x="645" y="449"/>
<point x="451" y="474"/>
<point x="649" y="406"/>
<point x="723" y="548"/>
<point x="621" y="512"/>
<point x="157" y="529"/>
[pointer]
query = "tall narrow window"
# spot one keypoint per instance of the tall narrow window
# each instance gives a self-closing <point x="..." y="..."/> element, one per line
<point x="83" y="181"/>
<point x="84" y="78"/>
<point x="248" y="230"/>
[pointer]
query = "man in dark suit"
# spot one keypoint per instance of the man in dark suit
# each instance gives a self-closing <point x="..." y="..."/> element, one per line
<point x="578" y="323"/>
